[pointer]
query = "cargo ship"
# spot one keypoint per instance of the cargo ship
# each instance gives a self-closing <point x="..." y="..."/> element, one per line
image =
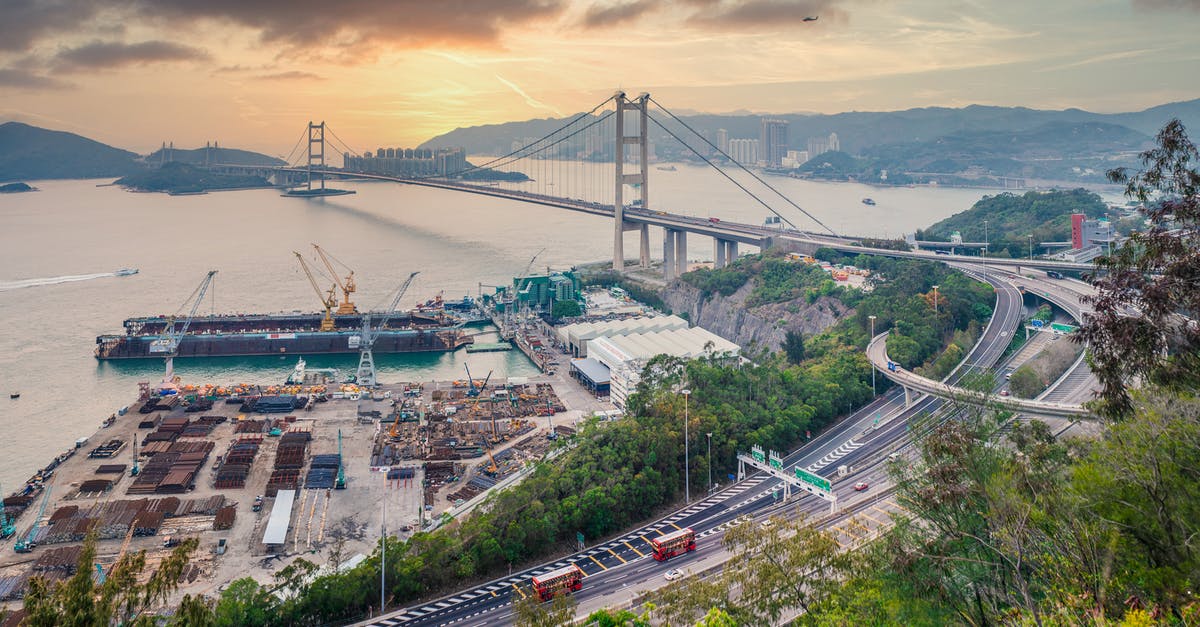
<point x="280" y="334"/>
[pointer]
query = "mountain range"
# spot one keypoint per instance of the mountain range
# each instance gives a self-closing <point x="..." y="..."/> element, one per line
<point x="33" y="153"/>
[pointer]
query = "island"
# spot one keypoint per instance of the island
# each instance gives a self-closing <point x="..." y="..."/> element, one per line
<point x="16" y="188"/>
<point x="183" y="178"/>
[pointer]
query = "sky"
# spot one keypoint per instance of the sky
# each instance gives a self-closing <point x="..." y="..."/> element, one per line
<point x="252" y="73"/>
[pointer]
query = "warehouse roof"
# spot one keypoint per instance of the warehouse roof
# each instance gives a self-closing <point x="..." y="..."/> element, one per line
<point x="281" y="518"/>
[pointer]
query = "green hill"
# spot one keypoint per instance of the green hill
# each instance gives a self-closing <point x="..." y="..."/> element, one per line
<point x="32" y="153"/>
<point x="177" y="177"/>
<point x="225" y="156"/>
<point x="1011" y="218"/>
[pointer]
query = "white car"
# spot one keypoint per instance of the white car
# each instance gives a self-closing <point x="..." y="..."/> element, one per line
<point x="766" y="523"/>
<point x="673" y="574"/>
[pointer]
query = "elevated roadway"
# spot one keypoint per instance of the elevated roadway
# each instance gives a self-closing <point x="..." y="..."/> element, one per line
<point x="621" y="565"/>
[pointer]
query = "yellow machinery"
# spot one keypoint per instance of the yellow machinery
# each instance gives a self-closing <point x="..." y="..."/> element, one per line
<point x="328" y="300"/>
<point x="348" y="286"/>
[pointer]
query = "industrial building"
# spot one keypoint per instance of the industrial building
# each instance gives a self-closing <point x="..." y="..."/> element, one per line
<point x="623" y="357"/>
<point x="574" y="337"/>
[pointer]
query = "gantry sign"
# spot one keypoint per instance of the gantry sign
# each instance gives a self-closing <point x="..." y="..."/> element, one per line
<point x="771" y="463"/>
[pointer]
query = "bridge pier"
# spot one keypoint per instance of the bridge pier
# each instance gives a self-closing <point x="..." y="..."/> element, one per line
<point x="644" y="249"/>
<point x="909" y="397"/>
<point x="681" y="263"/>
<point x="719" y="253"/>
<point x="669" y="272"/>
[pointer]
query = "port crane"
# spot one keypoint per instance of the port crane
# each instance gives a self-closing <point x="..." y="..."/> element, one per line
<point x="7" y="528"/>
<point x="366" y="361"/>
<point x="27" y="544"/>
<point x="169" y="342"/>
<point x="340" y="484"/>
<point x="328" y="300"/>
<point x="476" y="391"/>
<point x="348" y="286"/>
<point x="522" y="288"/>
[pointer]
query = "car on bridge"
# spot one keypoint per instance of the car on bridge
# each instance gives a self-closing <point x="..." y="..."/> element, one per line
<point x="714" y="220"/>
<point x="861" y="485"/>
<point x="673" y="574"/>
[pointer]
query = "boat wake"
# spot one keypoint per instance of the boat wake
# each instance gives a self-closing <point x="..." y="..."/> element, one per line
<point x="6" y="286"/>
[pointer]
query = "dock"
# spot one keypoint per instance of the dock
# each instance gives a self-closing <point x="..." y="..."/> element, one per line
<point x="489" y="347"/>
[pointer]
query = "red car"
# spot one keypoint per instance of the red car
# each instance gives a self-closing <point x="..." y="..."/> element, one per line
<point x="860" y="486"/>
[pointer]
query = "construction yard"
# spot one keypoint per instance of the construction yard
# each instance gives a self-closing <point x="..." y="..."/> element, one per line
<point x="407" y="453"/>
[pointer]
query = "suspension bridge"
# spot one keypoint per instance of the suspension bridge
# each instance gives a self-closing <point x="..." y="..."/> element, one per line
<point x="599" y="163"/>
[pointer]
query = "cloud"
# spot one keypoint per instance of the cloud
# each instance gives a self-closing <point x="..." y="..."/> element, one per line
<point x="24" y="79"/>
<point x="1167" y="5"/>
<point x="112" y="54"/>
<point x="24" y="22"/>
<point x="763" y="13"/>
<point x="292" y="75"/>
<point x="604" y="15"/>
<point x="318" y="23"/>
<point x="529" y="100"/>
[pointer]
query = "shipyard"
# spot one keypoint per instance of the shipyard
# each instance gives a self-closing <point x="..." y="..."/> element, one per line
<point x="312" y="462"/>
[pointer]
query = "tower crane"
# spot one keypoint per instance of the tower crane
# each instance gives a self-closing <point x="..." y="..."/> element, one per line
<point x="172" y="336"/>
<point x="348" y="286"/>
<point x="366" y="361"/>
<point x="327" y="299"/>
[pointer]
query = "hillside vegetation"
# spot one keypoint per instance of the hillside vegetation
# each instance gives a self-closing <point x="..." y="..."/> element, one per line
<point x="32" y="153"/>
<point x="1011" y="218"/>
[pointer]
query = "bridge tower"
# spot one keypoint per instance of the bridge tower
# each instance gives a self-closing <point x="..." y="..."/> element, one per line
<point x="640" y="178"/>
<point x="316" y="137"/>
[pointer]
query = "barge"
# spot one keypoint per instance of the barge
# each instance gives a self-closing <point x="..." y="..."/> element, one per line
<point x="277" y="334"/>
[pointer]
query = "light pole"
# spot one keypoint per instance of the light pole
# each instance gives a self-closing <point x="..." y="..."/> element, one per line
<point x="1031" y="246"/>
<point x="687" y="485"/>
<point x="872" y="319"/>
<point x="985" y="246"/>
<point x="383" y="551"/>
<point x="709" y="434"/>
<point x="935" y="299"/>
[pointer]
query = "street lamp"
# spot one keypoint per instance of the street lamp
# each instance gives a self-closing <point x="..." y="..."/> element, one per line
<point x="935" y="299"/>
<point x="985" y="246"/>
<point x="872" y="319"/>
<point x="1031" y="246"/>
<point x="709" y="434"/>
<point x="687" y="485"/>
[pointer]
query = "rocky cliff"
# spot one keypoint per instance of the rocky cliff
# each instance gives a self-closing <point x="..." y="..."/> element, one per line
<point x="764" y="325"/>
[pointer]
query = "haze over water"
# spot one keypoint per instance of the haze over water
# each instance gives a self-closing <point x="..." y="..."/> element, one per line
<point x="74" y="229"/>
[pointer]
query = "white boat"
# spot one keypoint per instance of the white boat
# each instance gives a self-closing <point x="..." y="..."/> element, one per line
<point x="126" y="271"/>
<point x="297" y="376"/>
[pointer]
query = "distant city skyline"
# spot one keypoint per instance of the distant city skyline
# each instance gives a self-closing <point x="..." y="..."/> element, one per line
<point x="135" y="73"/>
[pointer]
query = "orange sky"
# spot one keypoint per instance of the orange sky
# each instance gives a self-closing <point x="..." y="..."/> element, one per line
<point x="249" y="74"/>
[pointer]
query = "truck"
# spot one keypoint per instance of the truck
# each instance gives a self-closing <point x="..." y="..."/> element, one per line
<point x="671" y="544"/>
<point x="564" y="580"/>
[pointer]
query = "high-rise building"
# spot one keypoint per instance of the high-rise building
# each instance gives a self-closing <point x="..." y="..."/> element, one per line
<point x="834" y="144"/>
<point x="723" y="140"/>
<point x="744" y="151"/>
<point x="772" y="141"/>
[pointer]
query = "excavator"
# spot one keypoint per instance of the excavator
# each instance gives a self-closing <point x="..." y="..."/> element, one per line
<point x="347" y="286"/>
<point x="328" y="300"/>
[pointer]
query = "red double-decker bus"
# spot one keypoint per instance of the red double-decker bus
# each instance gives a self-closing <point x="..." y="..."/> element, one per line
<point x="562" y="581"/>
<point x="669" y="545"/>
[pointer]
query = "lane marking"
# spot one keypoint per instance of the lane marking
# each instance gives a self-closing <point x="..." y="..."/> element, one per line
<point x="640" y="554"/>
<point x="598" y="562"/>
<point x="677" y="526"/>
<point x="618" y="556"/>
<point x="872" y="519"/>
<point x="522" y="592"/>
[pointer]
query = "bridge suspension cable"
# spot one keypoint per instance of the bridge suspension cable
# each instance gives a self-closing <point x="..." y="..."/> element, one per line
<point x="726" y="174"/>
<point x="288" y="158"/>
<point x="743" y="168"/>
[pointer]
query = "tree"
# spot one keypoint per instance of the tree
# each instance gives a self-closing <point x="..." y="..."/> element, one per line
<point x="122" y="598"/>
<point x="244" y="602"/>
<point x="529" y="611"/>
<point x="793" y="346"/>
<point x="1148" y="294"/>
<point x="566" y="309"/>
<point x="787" y="566"/>
<point x="1025" y="382"/>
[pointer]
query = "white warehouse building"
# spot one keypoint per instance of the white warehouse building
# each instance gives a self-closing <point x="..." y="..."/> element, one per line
<point x="576" y="336"/>
<point x="625" y="356"/>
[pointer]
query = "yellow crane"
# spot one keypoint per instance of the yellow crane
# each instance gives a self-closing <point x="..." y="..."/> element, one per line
<point x="328" y="300"/>
<point x="348" y="286"/>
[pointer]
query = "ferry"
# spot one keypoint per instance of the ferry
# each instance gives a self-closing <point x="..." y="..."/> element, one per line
<point x="126" y="271"/>
<point x="667" y="168"/>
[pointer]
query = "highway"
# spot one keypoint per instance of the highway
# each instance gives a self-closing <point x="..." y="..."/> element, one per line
<point x="623" y="563"/>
